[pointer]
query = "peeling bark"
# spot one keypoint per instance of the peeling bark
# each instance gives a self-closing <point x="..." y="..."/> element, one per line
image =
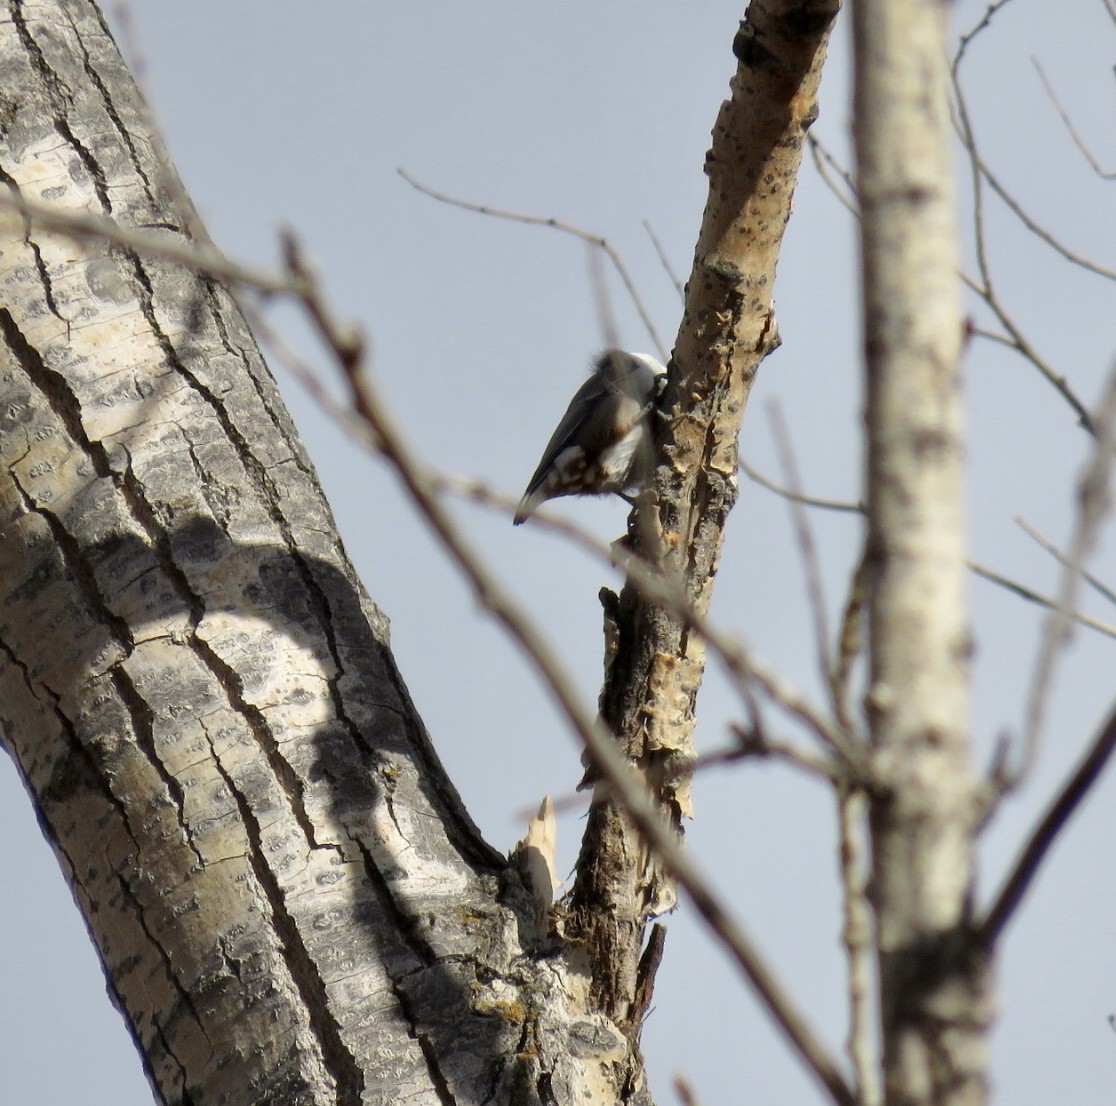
<point x="728" y="327"/>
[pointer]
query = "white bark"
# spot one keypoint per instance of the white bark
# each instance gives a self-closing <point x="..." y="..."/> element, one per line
<point x="290" y="903"/>
<point x="934" y="982"/>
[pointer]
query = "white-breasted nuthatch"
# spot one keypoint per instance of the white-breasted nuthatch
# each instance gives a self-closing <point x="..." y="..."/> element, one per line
<point x="603" y="442"/>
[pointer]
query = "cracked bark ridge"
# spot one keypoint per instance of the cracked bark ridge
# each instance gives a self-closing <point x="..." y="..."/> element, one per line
<point x="728" y="327"/>
<point x="290" y="903"/>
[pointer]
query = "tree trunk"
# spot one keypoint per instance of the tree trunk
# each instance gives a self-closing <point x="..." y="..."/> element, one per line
<point x="935" y="991"/>
<point x="728" y="328"/>
<point x="290" y="902"/>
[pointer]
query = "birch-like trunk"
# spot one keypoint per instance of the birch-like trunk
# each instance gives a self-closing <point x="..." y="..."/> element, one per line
<point x="935" y="989"/>
<point x="290" y="903"/>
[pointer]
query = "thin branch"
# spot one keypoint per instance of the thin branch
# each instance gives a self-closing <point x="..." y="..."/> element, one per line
<point x="976" y="568"/>
<point x="672" y="276"/>
<point x="985" y="288"/>
<point x="850" y="641"/>
<point x="555" y="224"/>
<point x="1026" y="868"/>
<point x="828" y="167"/>
<point x="162" y="244"/>
<point x="685" y="1091"/>
<point x="478" y="492"/>
<point x="844" y="506"/>
<point x="991" y="335"/>
<point x="606" y="320"/>
<point x="1036" y="228"/>
<point x="1034" y="597"/>
<point x="750" y="743"/>
<point x="981" y="25"/>
<point x="1078" y="141"/>
<point x="739" y="662"/>
<point x="859" y="948"/>
<point x="1093" y="505"/>
<point x="753" y="743"/>
<point x="1019" y="342"/>
<point x="341" y="414"/>
<point x="622" y="780"/>
<point x="807" y="549"/>
<point x="1059" y="556"/>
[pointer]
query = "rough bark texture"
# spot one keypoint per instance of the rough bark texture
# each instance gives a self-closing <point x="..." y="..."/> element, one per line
<point x="290" y="902"/>
<point x="934" y="980"/>
<point x="655" y="666"/>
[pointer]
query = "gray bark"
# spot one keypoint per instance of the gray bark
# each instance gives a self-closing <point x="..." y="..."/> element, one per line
<point x="934" y="979"/>
<point x="289" y="900"/>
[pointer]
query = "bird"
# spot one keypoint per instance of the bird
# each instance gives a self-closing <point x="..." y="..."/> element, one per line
<point x="603" y="442"/>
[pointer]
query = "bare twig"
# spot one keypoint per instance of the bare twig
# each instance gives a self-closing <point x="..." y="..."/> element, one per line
<point x="981" y="174"/>
<point x="129" y="42"/>
<point x="828" y="168"/>
<point x="985" y="287"/>
<point x="1018" y="341"/>
<point x="1078" y="141"/>
<point x="1035" y="227"/>
<point x="555" y="224"/>
<point x="341" y="414"/>
<point x="797" y="497"/>
<point x="739" y="662"/>
<point x="850" y="641"/>
<point x="164" y="245"/>
<point x="672" y="276"/>
<point x="1026" y="868"/>
<point x="1059" y="556"/>
<point x="622" y="780"/>
<point x="754" y="743"/>
<point x="750" y="743"/>
<point x="981" y="25"/>
<point x="1093" y="504"/>
<point x="977" y="569"/>
<point x="1034" y="597"/>
<point x="990" y="335"/>
<point x="807" y="549"/>
<point x="685" y="1091"/>
<point x="831" y="171"/>
<point x="606" y="320"/>
<point x="859" y="948"/>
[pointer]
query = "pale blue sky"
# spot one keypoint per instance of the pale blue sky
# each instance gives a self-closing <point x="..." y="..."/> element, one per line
<point x="481" y="330"/>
